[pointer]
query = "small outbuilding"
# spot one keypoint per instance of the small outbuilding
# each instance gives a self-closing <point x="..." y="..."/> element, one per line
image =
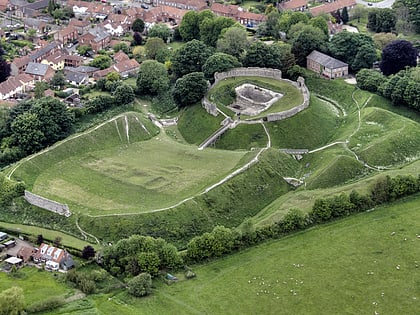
<point x="326" y="66"/>
<point x="14" y="261"/>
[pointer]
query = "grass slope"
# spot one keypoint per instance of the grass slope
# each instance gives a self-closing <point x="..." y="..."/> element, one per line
<point x="118" y="172"/>
<point x="346" y="267"/>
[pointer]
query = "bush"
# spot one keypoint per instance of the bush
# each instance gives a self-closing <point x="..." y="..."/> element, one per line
<point x="369" y="80"/>
<point x="48" y="304"/>
<point x="140" y="285"/>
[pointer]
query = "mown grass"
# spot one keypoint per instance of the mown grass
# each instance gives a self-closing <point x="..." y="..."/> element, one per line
<point x="386" y="139"/>
<point x="244" y="136"/>
<point x="311" y="128"/>
<point x="196" y="125"/>
<point x="345" y="267"/>
<point x="48" y="234"/>
<point x="110" y="172"/>
<point x="37" y="284"/>
<point x="221" y="96"/>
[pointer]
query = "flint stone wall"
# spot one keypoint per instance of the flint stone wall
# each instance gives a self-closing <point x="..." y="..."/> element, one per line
<point x="47" y="204"/>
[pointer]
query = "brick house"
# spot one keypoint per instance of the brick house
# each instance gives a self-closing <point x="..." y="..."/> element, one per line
<point x="331" y="7"/>
<point x="294" y="5"/>
<point x="39" y="71"/>
<point x="97" y="38"/>
<point x="326" y="66"/>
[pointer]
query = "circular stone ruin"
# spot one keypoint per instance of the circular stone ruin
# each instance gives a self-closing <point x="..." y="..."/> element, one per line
<point x="251" y="99"/>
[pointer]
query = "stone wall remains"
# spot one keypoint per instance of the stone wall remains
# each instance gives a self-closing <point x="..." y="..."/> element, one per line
<point x="47" y="204"/>
<point x="261" y="72"/>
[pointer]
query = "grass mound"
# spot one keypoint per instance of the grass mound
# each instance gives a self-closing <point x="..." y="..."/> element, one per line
<point x="223" y="93"/>
<point x="386" y="139"/>
<point x="327" y="164"/>
<point x="311" y="128"/>
<point x="196" y="125"/>
<point x="111" y="170"/>
<point x="244" y="137"/>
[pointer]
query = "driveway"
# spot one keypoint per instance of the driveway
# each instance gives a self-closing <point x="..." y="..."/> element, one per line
<point x="382" y="4"/>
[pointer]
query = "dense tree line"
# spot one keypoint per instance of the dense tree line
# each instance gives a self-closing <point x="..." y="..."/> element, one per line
<point x="223" y="240"/>
<point x="402" y="88"/>
<point x="141" y="254"/>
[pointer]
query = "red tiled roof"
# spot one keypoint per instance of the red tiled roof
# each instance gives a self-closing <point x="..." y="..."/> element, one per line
<point x="78" y="23"/>
<point x="19" y="62"/>
<point x="126" y="65"/>
<point x="228" y="10"/>
<point x="120" y="56"/>
<point x="332" y="7"/>
<point x="293" y="4"/>
<point x="251" y="16"/>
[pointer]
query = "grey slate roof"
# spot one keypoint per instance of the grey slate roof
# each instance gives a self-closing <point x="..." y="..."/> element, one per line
<point x="43" y="50"/>
<point x="325" y="60"/>
<point x="99" y="34"/>
<point x="35" y="68"/>
<point x="77" y="77"/>
<point x="85" y="69"/>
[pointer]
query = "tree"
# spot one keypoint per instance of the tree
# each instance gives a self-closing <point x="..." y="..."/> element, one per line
<point x="113" y="76"/>
<point x="152" y="78"/>
<point x="140" y="285"/>
<point x="58" y="80"/>
<point x="124" y="94"/>
<point x="233" y="41"/>
<point x="149" y="262"/>
<point x="190" y="58"/>
<point x="40" y="88"/>
<point x="39" y="239"/>
<point x="309" y="39"/>
<point x="357" y="50"/>
<point x="101" y="62"/>
<point x="262" y="55"/>
<point x="211" y="28"/>
<point x="189" y="28"/>
<point x="369" y="80"/>
<point x="152" y="47"/>
<point x="88" y="252"/>
<point x="138" y="26"/>
<point x="57" y="241"/>
<point x="359" y="11"/>
<point x="83" y="49"/>
<point x="121" y="46"/>
<point x="137" y="39"/>
<point x="413" y="9"/>
<point x="321" y="23"/>
<point x="345" y="15"/>
<point x="219" y="62"/>
<point x="189" y="89"/>
<point x="160" y="30"/>
<point x="27" y="132"/>
<point x="383" y="39"/>
<point x="381" y="20"/>
<point x="396" y="56"/>
<point x="12" y="301"/>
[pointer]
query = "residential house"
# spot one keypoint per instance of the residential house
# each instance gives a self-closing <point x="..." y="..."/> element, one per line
<point x="326" y="66"/>
<point x="97" y="38"/>
<point x="120" y="57"/>
<point x="76" y="78"/>
<point x="82" y="26"/>
<point x="127" y="67"/>
<point x="72" y="61"/>
<point x="191" y="5"/>
<point x="82" y="69"/>
<point x="114" y="29"/>
<point x="67" y="35"/>
<point x="237" y="13"/>
<point x="294" y="5"/>
<point x="53" y="257"/>
<point x="15" y="85"/>
<point x="18" y="65"/>
<point x="331" y="7"/>
<point x="40" y="71"/>
<point x="39" y="25"/>
<point x="25" y="253"/>
<point x="45" y="51"/>
<point x="3" y="5"/>
<point x="103" y="73"/>
<point x="56" y="61"/>
<point x="25" y="9"/>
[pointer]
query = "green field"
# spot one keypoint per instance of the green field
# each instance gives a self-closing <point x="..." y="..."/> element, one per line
<point x="37" y="284"/>
<point x="345" y="267"/>
<point x="120" y="173"/>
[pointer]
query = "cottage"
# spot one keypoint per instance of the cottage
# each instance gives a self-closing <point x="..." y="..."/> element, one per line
<point x="25" y="253"/>
<point x="76" y="78"/>
<point x="39" y="71"/>
<point x="97" y="38"/>
<point x="326" y="66"/>
<point x="331" y="7"/>
<point x="127" y="67"/>
<point x="52" y="256"/>
<point x="294" y="5"/>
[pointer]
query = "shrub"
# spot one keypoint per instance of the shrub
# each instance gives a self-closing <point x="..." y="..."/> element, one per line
<point x="48" y="304"/>
<point x="369" y="80"/>
<point x="140" y="285"/>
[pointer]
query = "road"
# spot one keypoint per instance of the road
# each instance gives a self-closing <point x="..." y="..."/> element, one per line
<point x="382" y="4"/>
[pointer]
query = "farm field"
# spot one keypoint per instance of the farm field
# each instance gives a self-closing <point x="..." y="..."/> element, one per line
<point x="120" y="172"/>
<point x="365" y="263"/>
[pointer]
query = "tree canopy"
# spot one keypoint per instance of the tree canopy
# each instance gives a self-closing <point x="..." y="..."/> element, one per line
<point x="233" y="41"/>
<point x="381" y="20"/>
<point x="101" y="62"/>
<point x="189" y="89"/>
<point x="396" y="56"/>
<point x="152" y="78"/>
<point x="152" y="47"/>
<point x="140" y="285"/>
<point x="160" y="30"/>
<point x="138" y="25"/>
<point x="4" y="67"/>
<point x="219" y="62"/>
<point x="190" y="57"/>
<point x="124" y="94"/>
<point x="304" y="42"/>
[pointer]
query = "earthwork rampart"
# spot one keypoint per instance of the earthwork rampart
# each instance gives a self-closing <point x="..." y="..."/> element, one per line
<point x="211" y="108"/>
<point x="47" y="204"/>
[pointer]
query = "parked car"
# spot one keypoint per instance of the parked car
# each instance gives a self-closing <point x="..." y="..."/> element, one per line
<point x="144" y="6"/>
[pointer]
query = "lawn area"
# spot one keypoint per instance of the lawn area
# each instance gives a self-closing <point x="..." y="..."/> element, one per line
<point x="66" y="240"/>
<point x="358" y="265"/>
<point x="111" y="170"/>
<point x="37" y="284"/>
<point x="221" y="94"/>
